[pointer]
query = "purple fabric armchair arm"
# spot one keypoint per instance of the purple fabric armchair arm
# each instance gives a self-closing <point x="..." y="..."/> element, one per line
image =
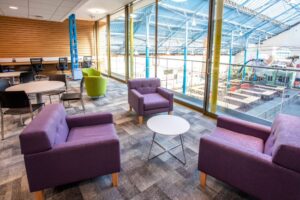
<point x="89" y="119"/>
<point x="253" y="172"/>
<point x="166" y="94"/>
<point x="244" y="127"/>
<point x="136" y="100"/>
<point x="48" y="168"/>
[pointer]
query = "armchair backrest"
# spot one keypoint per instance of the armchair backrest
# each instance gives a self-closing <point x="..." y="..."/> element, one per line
<point x="47" y="129"/>
<point x="283" y="143"/>
<point x="90" y="72"/>
<point x="144" y="86"/>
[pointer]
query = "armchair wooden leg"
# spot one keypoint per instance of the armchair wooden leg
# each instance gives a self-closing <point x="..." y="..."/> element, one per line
<point x="170" y="112"/>
<point x="203" y="179"/>
<point x="115" y="179"/>
<point x="140" y="119"/>
<point x="130" y="108"/>
<point x="39" y="195"/>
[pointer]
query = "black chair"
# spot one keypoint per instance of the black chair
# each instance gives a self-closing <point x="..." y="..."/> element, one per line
<point x="16" y="103"/>
<point x="74" y="96"/>
<point x="4" y="83"/>
<point x="62" y="64"/>
<point x="87" y="62"/>
<point x="57" y="77"/>
<point x="37" y="66"/>
<point x="26" y="77"/>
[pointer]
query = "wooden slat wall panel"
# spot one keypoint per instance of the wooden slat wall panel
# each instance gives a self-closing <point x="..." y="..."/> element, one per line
<point x="35" y="38"/>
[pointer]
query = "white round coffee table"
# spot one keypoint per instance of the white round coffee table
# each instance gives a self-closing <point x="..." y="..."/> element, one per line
<point x="168" y="125"/>
<point x="37" y="87"/>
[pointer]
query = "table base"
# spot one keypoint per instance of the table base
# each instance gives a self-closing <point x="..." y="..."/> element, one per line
<point x="167" y="150"/>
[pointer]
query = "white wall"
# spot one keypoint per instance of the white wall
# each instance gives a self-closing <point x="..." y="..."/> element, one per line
<point x="289" y="39"/>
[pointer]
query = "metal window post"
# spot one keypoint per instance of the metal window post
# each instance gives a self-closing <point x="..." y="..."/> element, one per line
<point x="126" y="43"/>
<point x="108" y="45"/>
<point x="258" y="48"/>
<point x="131" y="41"/>
<point x="147" y="48"/>
<point x="185" y="58"/>
<point x="245" y="59"/>
<point x="156" y="36"/>
<point x="230" y="60"/>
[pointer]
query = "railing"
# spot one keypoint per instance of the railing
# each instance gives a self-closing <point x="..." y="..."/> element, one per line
<point x="262" y="92"/>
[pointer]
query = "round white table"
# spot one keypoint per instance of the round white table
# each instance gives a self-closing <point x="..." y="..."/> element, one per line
<point x="168" y="125"/>
<point x="11" y="75"/>
<point x="38" y="88"/>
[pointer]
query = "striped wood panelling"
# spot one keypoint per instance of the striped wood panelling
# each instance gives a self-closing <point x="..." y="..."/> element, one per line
<point x="36" y="38"/>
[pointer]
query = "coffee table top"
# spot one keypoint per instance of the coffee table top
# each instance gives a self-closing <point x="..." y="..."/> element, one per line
<point x="168" y="125"/>
<point x="35" y="87"/>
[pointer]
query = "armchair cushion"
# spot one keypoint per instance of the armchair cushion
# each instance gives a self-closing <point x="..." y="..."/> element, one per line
<point x="238" y="139"/>
<point x="101" y="132"/>
<point x="45" y="131"/>
<point x="144" y="86"/>
<point x="245" y="127"/>
<point x="89" y="119"/>
<point x="155" y="101"/>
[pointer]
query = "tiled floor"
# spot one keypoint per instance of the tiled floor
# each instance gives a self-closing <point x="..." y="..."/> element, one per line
<point x="161" y="178"/>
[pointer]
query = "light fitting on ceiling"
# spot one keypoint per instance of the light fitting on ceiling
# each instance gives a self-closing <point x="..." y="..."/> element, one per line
<point x="133" y="15"/>
<point x="97" y="10"/>
<point x="13" y="7"/>
<point x="179" y="1"/>
<point x="194" y="22"/>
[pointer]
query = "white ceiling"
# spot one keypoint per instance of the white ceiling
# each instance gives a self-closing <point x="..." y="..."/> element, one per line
<point x="52" y="10"/>
<point x="109" y="6"/>
<point x="59" y="10"/>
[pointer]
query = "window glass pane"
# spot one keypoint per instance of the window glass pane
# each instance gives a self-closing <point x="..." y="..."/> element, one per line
<point x="182" y="33"/>
<point x="102" y="43"/>
<point x="141" y="39"/>
<point x="117" y="41"/>
<point x="255" y="72"/>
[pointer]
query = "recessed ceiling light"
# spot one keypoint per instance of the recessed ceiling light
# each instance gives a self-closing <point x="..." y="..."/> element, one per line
<point x="179" y="1"/>
<point x="13" y="7"/>
<point x="97" y="10"/>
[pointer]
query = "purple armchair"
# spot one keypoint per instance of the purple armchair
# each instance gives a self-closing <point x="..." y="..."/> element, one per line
<point x="262" y="161"/>
<point x="60" y="149"/>
<point x="146" y="97"/>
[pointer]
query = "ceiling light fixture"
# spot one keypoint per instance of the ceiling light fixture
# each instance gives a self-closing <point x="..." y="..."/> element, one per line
<point x="179" y="1"/>
<point x="133" y="15"/>
<point x="97" y="11"/>
<point x="194" y="22"/>
<point x="13" y="7"/>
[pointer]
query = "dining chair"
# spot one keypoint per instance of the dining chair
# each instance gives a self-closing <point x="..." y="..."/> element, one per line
<point x="26" y="77"/>
<point x="57" y="77"/>
<point x="37" y="66"/>
<point x="16" y="103"/>
<point x="87" y="62"/>
<point x="62" y="64"/>
<point x="4" y="83"/>
<point x="74" y="96"/>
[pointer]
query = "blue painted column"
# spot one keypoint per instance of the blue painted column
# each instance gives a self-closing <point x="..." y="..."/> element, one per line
<point x="230" y="61"/>
<point x="76" y="72"/>
<point x="147" y="48"/>
<point x="185" y="52"/>
<point x="245" y="59"/>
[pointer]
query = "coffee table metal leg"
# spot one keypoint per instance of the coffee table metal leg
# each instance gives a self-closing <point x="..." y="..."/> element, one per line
<point x="153" y="138"/>
<point x="168" y="150"/>
<point x="181" y="140"/>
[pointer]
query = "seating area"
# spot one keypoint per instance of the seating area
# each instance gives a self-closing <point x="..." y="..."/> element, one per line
<point x="134" y="100"/>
